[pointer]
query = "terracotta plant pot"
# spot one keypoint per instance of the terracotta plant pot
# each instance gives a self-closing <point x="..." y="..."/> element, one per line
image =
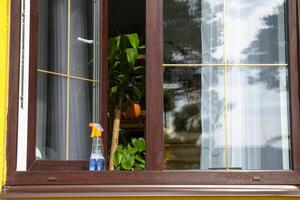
<point x="132" y="111"/>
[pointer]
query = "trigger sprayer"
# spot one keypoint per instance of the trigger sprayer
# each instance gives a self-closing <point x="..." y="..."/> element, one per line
<point x="97" y="161"/>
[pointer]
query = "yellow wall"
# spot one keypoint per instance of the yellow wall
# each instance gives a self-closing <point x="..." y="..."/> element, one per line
<point x="184" y="198"/>
<point x="4" y="38"/>
<point x="4" y="21"/>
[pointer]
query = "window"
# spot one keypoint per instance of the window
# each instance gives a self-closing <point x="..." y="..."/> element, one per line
<point x="226" y="85"/>
<point x="221" y="93"/>
<point x="68" y="78"/>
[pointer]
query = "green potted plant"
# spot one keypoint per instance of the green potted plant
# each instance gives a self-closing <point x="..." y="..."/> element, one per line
<point x="126" y="81"/>
<point x="132" y="156"/>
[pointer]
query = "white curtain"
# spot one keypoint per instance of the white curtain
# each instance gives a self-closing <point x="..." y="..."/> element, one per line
<point x="212" y="90"/>
<point x="258" y="119"/>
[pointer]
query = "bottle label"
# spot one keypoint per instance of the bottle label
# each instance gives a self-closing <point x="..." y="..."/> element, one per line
<point x="97" y="164"/>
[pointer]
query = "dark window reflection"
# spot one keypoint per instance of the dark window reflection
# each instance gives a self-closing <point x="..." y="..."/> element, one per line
<point x="193" y="31"/>
<point x="257" y="118"/>
<point x="193" y="105"/>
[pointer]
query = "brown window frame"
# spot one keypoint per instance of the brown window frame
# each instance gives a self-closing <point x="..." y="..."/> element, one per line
<point x="45" y="165"/>
<point x="57" y="173"/>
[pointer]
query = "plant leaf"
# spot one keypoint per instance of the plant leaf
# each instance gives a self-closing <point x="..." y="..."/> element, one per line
<point x="133" y="140"/>
<point x="127" y="162"/>
<point x="137" y="68"/>
<point x="133" y="39"/>
<point x="118" y="157"/>
<point x="124" y="42"/>
<point x="137" y="92"/>
<point x="131" y="54"/>
<point x="114" y="46"/>
<point x="121" y="79"/>
<point x="113" y="90"/>
<point x="140" y="144"/>
<point x="139" y="77"/>
<point x="131" y="150"/>
<point x="137" y="158"/>
<point x="139" y="166"/>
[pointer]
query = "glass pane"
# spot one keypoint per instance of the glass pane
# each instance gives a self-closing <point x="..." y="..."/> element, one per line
<point x="81" y="114"/>
<point x="82" y="37"/>
<point x="194" y="128"/>
<point x="256" y="31"/>
<point x="68" y="100"/>
<point x="258" y="118"/>
<point x="53" y="35"/>
<point x="257" y="136"/>
<point x="51" y="117"/>
<point x="244" y="120"/>
<point x="193" y="31"/>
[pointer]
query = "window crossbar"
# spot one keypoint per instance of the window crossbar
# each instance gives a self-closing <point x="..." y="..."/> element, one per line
<point x="222" y="65"/>
<point x="67" y="76"/>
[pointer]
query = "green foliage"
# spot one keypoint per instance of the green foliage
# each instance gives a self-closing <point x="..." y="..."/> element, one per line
<point x="126" y="80"/>
<point x="131" y="157"/>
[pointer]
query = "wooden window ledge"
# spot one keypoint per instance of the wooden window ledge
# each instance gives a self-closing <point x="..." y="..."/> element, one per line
<point x="147" y="190"/>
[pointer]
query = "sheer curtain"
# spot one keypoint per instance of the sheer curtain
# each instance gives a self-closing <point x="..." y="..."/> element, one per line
<point x="212" y="90"/>
<point x="258" y="120"/>
<point x="52" y="91"/>
<point x="257" y="96"/>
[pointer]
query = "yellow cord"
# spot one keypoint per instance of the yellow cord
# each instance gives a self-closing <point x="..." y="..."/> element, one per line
<point x="68" y="83"/>
<point x="222" y="65"/>
<point x="66" y="75"/>
<point x="225" y="88"/>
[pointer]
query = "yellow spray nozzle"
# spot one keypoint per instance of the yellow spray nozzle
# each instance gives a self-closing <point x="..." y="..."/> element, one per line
<point x="96" y="129"/>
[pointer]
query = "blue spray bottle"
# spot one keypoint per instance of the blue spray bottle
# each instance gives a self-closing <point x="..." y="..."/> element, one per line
<point x="97" y="161"/>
